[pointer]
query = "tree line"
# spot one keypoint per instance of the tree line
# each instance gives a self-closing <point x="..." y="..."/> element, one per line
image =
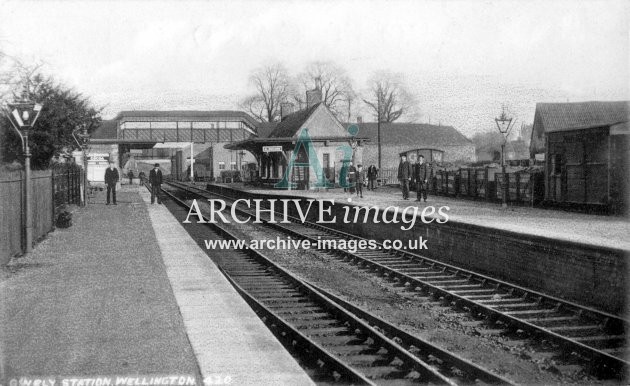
<point x="386" y="96"/>
<point x="64" y="110"/>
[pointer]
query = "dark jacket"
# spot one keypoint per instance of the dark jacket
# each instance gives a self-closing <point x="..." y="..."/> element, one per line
<point x="372" y="172"/>
<point x="111" y="176"/>
<point x="360" y="176"/>
<point x="420" y="172"/>
<point x="155" y="178"/>
<point x="352" y="174"/>
<point x="404" y="170"/>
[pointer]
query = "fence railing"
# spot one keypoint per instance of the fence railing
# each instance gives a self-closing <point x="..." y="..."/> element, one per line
<point x="51" y="189"/>
<point x="523" y="187"/>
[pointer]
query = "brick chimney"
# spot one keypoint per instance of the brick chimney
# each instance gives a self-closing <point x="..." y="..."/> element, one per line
<point x="359" y="119"/>
<point x="313" y="97"/>
<point x="286" y="108"/>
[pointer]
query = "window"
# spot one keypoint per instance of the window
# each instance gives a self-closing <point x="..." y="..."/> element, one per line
<point x="233" y="165"/>
<point x="556" y="164"/>
<point x="221" y="165"/>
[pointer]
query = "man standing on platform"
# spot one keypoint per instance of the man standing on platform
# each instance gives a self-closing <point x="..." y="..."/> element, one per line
<point x="352" y="178"/>
<point x="421" y="176"/>
<point x="155" y="179"/>
<point x="372" y="173"/>
<point x="360" y="180"/>
<point x="404" y="175"/>
<point x="111" y="179"/>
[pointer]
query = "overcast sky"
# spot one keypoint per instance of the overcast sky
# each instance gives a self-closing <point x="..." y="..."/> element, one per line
<point x="462" y="59"/>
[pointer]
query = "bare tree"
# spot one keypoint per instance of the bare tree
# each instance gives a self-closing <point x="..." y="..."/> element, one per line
<point x="332" y="80"/>
<point x="389" y="99"/>
<point x="272" y="88"/>
<point x="15" y="76"/>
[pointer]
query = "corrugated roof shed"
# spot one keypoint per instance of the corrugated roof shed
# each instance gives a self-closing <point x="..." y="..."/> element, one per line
<point x="553" y="117"/>
<point x="571" y="116"/>
<point x="413" y="134"/>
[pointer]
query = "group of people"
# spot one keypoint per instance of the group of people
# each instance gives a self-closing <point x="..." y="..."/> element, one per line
<point x="418" y="173"/>
<point x="357" y="178"/>
<point x="112" y="177"/>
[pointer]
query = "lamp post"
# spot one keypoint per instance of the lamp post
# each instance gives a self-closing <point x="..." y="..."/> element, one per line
<point x="81" y="137"/>
<point x="378" y="127"/>
<point x="23" y="114"/>
<point x="504" y="124"/>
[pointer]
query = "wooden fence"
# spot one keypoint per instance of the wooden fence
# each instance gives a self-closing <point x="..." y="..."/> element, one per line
<point x="51" y="190"/>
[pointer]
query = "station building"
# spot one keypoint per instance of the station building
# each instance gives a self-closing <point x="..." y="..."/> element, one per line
<point x="585" y="147"/>
<point x="137" y="139"/>
<point x="275" y="143"/>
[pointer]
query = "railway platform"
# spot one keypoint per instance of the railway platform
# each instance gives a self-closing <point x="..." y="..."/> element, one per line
<point x="125" y="293"/>
<point x="596" y="230"/>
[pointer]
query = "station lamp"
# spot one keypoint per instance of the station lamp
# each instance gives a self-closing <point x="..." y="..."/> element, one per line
<point x="23" y="114"/>
<point x="505" y="125"/>
<point x="82" y="138"/>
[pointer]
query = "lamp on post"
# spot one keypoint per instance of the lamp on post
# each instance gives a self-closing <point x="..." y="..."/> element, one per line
<point x="23" y="114"/>
<point x="378" y="128"/>
<point x="505" y="125"/>
<point x="82" y="138"/>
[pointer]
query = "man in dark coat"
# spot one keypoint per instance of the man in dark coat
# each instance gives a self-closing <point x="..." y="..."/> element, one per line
<point x="421" y="177"/>
<point x="372" y="173"/>
<point x="360" y="180"/>
<point x="404" y="176"/>
<point x="155" y="179"/>
<point x="111" y="179"/>
<point x="352" y="177"/>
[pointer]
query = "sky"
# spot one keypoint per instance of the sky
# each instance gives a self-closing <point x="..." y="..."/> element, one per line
<point x="461" y="59"/>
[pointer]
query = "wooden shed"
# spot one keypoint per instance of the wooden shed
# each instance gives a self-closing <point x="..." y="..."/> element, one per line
<point x="585" y="146"/>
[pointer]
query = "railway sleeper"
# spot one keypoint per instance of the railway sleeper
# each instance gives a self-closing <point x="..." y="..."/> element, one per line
<point x="602" y="341"/>
<point x="433" y="276"/>
<point x="577" y="331"/>
<point x="327" y="331"/>
<point x="289" y="300"/>
<point x="299" y="318"/>
<point x="314" y="323"/>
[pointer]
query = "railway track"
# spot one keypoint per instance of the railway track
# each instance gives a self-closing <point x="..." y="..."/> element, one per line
<point x="598" y="338"/>
<point x="339" y="346"/>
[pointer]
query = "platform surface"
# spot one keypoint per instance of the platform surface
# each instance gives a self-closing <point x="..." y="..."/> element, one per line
<point x="95" y="300"/>
<point x="597" y="230"/>
<point x="227" y="336"/>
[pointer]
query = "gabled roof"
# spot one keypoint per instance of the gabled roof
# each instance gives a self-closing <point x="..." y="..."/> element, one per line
<point x="581" y="115"/>
<point x="106" y="130"/>
<point x="290" y="125"/>
<point x="413" y="134"/>
<point x="265" y="128"/>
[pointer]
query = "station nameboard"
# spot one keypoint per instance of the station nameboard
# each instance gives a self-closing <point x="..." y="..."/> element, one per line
<point x="272" y="149"/>
<point x="98" y="157"/>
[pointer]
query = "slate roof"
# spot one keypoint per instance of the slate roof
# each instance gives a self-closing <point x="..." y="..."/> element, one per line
<point x="413" y="134"/>
<point x="106" y="130"/>
<point x="265" y="128"/>
<point x="290" y="125"/>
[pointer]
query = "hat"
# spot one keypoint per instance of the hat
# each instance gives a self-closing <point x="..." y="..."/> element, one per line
<point x="157" y="165"/>
<point x="421" y="156"/>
